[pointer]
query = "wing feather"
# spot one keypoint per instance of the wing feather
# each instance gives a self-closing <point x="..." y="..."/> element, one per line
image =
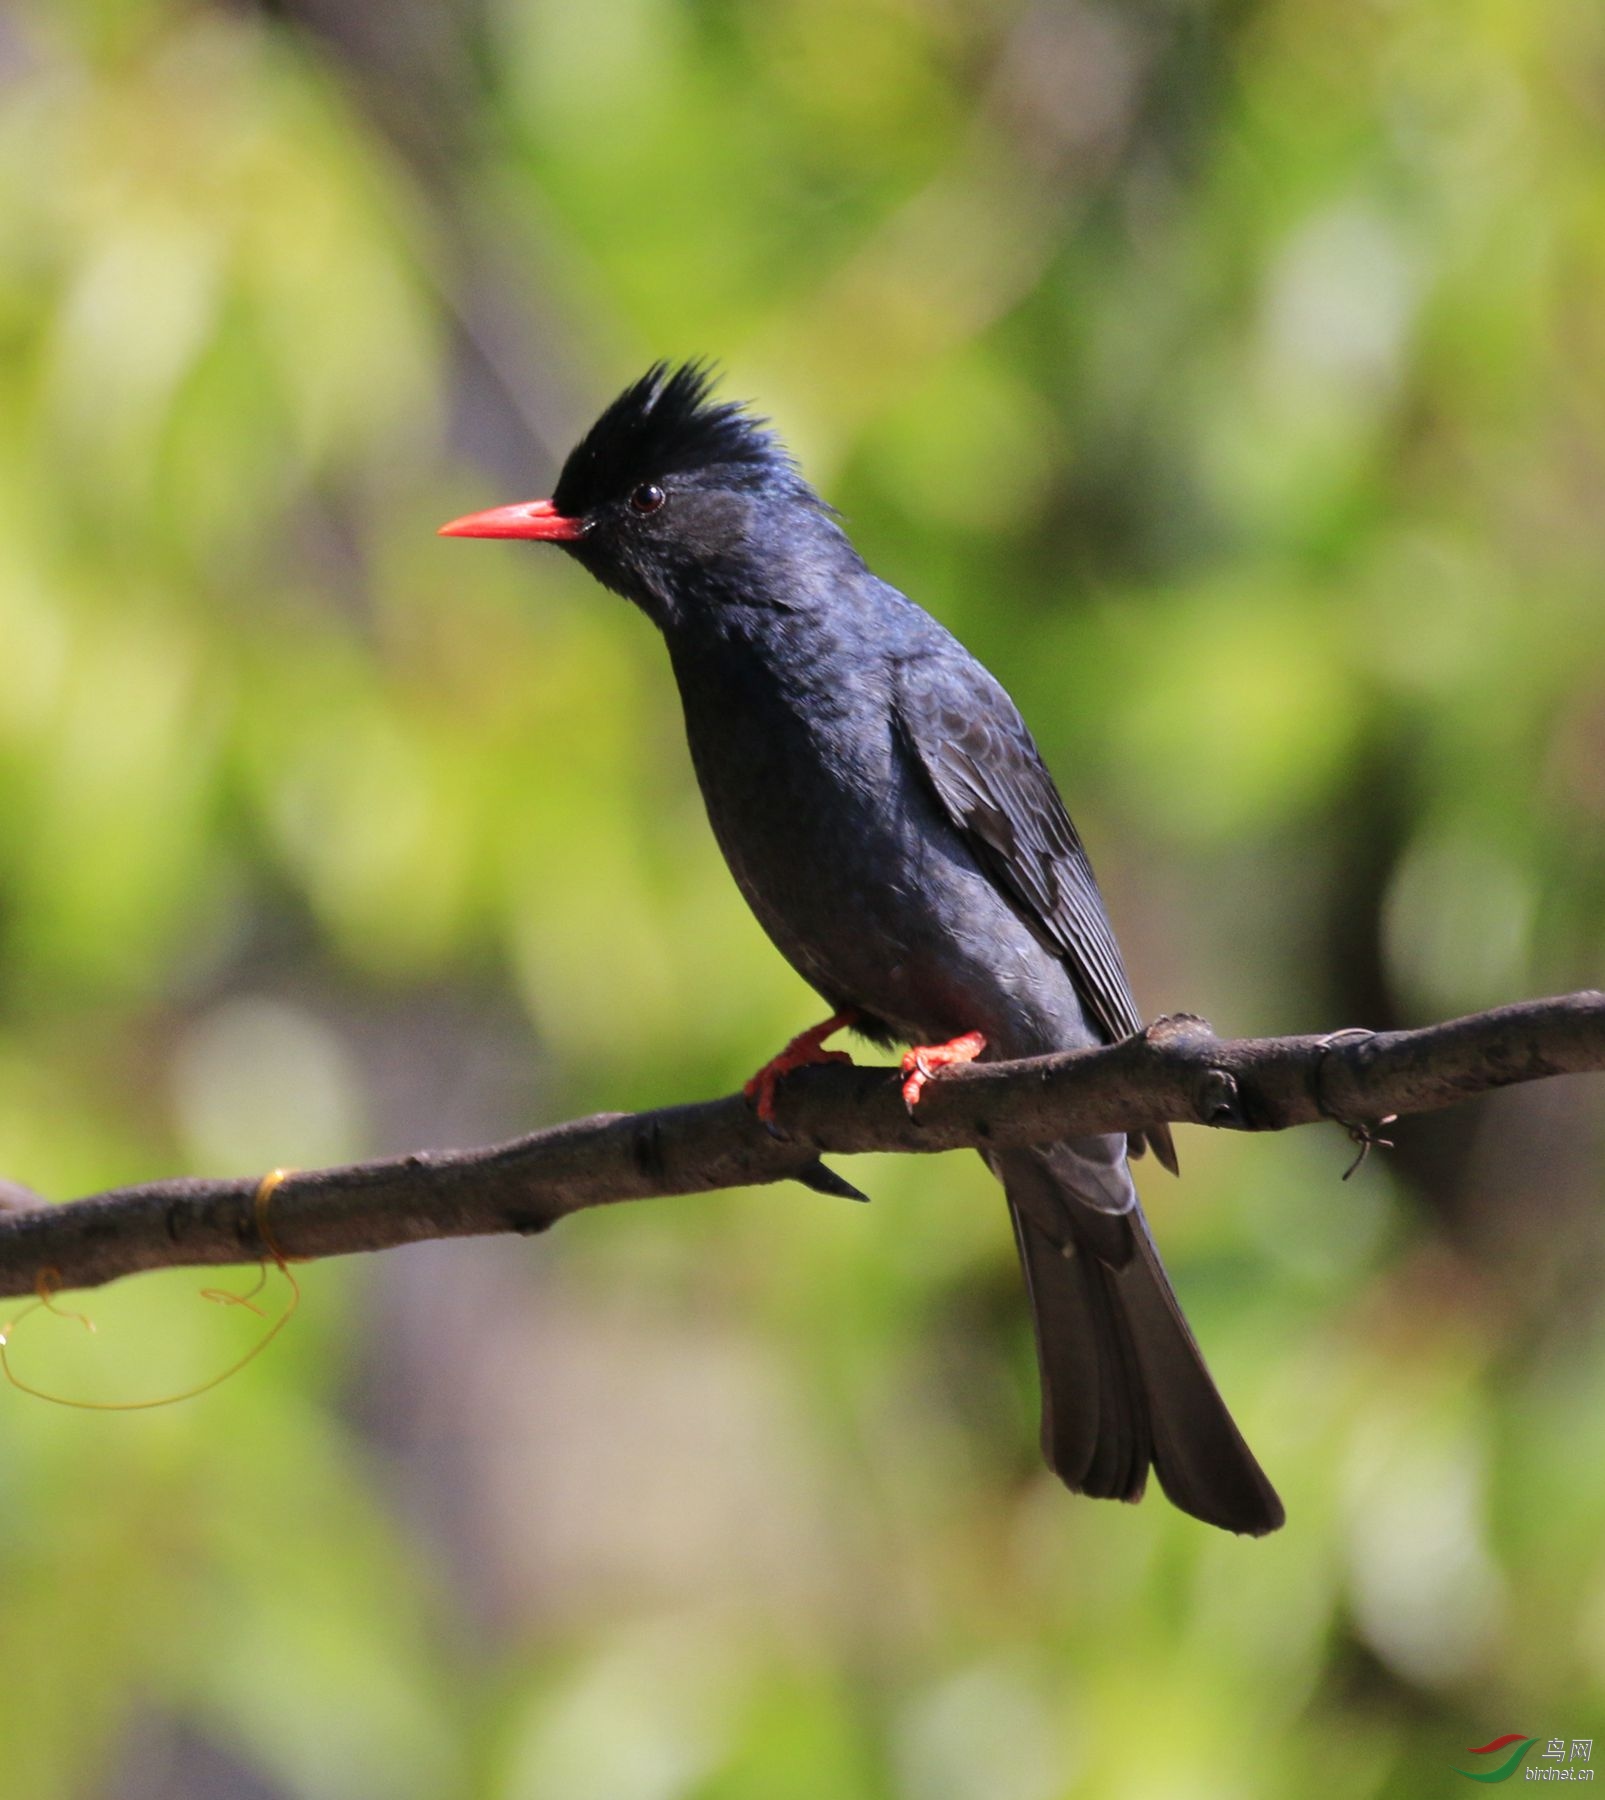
<point x="989" y="776"/>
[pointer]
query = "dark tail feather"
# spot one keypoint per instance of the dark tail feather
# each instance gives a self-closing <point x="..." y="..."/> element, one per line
<point x="1123" y="1381"/>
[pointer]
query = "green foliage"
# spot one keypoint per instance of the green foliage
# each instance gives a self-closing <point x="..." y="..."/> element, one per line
<point x="1230" y="377"/>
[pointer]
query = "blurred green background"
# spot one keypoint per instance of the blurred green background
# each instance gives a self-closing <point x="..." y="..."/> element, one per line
<point x="1230" y="374"/>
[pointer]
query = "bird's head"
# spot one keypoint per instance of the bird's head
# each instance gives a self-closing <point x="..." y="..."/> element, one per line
<point x="670" y="493"/>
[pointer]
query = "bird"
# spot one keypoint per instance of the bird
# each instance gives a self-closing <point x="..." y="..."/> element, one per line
<point x="890" y="821"/>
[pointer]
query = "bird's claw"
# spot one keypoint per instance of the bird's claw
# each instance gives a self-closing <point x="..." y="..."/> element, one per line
<point x="761" y="1089"/>
<point x="923" y="1061"/>
<point x="805" y="1051"/>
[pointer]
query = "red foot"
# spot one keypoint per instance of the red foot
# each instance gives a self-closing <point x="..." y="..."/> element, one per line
<point x="804" y="1051"/>
<point x="922" y="1062"/>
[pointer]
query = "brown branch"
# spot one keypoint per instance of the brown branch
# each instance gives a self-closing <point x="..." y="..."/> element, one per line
<point x="1177" y="1070"/>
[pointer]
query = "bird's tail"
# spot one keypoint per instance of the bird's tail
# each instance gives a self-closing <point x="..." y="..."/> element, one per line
<point x="1124" y="1386"/>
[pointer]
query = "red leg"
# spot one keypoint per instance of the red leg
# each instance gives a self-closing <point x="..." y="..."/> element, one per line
<point x="804" y="1051"/>
<point x="922" y="1062"/>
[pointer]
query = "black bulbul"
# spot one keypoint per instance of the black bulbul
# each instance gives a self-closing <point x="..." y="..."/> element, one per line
<point x="890" y="820"/>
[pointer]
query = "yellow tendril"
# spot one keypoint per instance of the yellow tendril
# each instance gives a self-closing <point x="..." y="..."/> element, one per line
<point x="47" y="1284"/>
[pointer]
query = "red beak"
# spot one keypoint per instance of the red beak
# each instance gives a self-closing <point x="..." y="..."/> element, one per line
<point x="528" y="519"/>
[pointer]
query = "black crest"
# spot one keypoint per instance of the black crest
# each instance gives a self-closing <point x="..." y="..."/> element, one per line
<point x="666" y="424"/>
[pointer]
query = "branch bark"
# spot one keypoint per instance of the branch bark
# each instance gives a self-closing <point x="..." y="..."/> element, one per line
<point x="1177" y="1070"/>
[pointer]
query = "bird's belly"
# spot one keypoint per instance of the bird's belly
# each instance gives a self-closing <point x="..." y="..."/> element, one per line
<point x="873" y="897"/>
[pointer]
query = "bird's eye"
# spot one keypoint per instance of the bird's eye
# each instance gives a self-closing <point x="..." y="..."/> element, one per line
<point x="648" y="497"/>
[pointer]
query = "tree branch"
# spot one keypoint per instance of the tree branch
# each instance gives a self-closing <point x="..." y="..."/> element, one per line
<point x="1177" y="1070"/>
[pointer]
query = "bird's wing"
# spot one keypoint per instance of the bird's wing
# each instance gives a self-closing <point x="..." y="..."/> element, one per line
<point x="988" y="774"/>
